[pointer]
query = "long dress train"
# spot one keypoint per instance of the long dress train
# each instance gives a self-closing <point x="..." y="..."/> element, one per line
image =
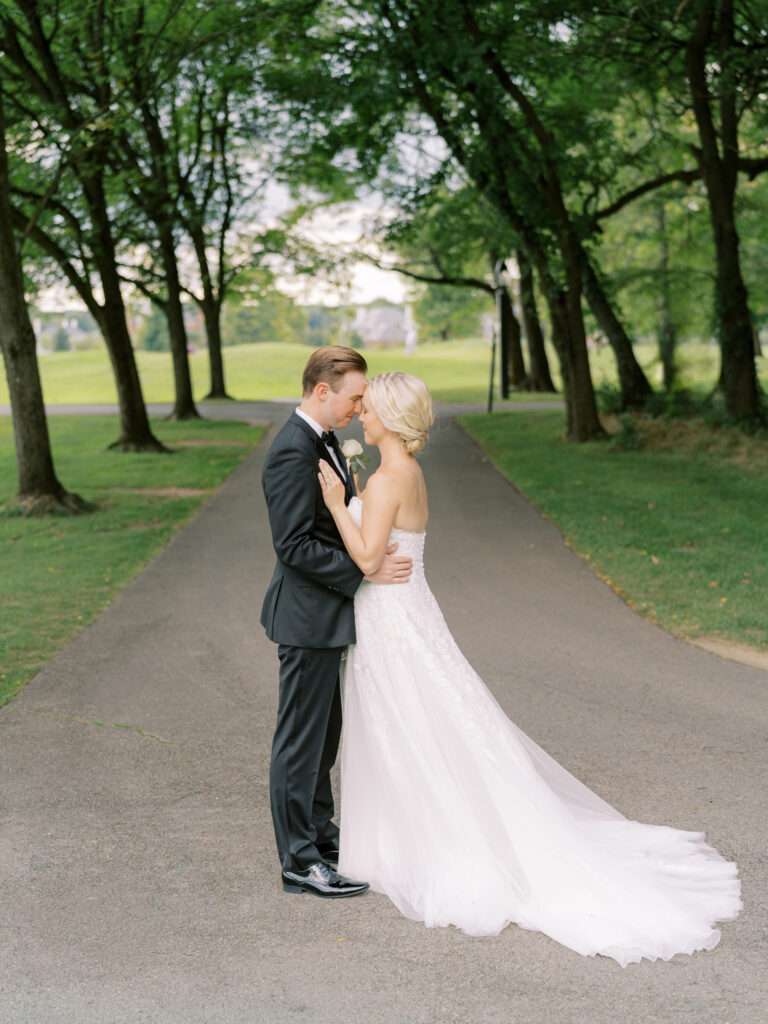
<point x="460" y="818"/>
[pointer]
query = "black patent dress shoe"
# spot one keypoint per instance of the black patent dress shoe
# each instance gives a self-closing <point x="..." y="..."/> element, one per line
<point x="321" y="879"/>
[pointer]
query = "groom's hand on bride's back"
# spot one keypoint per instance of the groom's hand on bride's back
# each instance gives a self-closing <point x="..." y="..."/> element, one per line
<point x="394" y="569"/>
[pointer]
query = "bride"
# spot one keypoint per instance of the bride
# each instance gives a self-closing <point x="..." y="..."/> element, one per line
<point x="450" y="809"/>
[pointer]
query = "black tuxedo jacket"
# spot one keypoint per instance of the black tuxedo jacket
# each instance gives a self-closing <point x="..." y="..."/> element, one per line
<point x="308" y="602"/>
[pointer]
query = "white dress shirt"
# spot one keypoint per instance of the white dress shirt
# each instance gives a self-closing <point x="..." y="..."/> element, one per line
<point x="319" y="431"/>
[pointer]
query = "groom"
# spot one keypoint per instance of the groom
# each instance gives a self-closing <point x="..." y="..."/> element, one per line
<point x="308" y="611"/>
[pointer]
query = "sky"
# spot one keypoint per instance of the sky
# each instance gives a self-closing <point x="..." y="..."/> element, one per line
<point x="368" y="283"/>
<point x="341" y="226"/>
<point x="420" y="151"/>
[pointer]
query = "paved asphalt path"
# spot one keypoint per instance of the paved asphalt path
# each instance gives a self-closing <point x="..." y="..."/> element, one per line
<point x="138" y="879"/>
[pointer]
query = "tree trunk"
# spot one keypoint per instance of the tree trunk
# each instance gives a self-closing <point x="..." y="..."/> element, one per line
<point x="539" y="377"/>
<point x="667" y="329"/>
<point x="40" y="490"/>
<point x="739" y="374"/>
<point x="633" y="384"/>
<point x="211" y="308"/>
<point x="585" y="422"/>
<point x="719" y="155"/>
<point x="667" y="347"/>
<point x="184" y="404"/>
<point x="510" y="328"/>
<point x="87" y="161"/>
<point x="555" y="305"/>
<point x="135" y="432"/>
<point x="212" y="317"/>
<point x="570" y="340"/>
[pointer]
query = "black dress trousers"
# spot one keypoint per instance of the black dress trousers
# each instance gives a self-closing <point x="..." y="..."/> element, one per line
<point x="304" y="750"/>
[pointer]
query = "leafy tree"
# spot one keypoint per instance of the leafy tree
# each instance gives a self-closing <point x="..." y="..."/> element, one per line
<point x="267" y="316"/>
<point x="40" y="490"/>
<point x="447" y="313"/>
<point x="705" y="60"/>
<point x="496" y="83"/>
<point x="217" y="193"/>
<point x="61" y="102"/>
<point x="658" y="256"/>
<point x="159" y="141"/>
<point x="449" y="240"/>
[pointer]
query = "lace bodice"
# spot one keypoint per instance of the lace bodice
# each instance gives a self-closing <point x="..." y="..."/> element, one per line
<point x="410" y="542"/>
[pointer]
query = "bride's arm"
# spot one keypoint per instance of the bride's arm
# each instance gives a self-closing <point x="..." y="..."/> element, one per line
<point x="367" y="543"/>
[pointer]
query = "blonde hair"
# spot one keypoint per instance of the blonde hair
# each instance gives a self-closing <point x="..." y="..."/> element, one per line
<point x="404" y="406"/>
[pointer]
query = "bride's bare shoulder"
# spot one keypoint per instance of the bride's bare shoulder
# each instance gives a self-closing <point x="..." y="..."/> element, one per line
<point x="378" y="483"/>
<point x="382" y="485"/>
<point x="402" y="489"/>
<point x="397" y="478"/>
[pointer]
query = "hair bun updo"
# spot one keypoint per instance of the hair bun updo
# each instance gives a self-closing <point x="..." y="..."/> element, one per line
<point x="404" y="406"/>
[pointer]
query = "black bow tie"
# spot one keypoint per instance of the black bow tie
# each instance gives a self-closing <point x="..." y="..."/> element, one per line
<point x="329" y="438"/>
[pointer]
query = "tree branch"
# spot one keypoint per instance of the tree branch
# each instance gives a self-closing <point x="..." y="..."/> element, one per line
<point x="144" y="288"/>
<point x="57" y="253"/>
<point x="751" y="166"/>
<point x="446" y="279"/>
<point x="685" y="175"/>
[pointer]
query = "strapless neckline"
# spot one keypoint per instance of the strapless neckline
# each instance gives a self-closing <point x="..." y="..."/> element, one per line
<point x="395" y="529"/>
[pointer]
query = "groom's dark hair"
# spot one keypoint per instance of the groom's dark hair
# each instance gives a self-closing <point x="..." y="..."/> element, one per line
<point x="328" y="365"/>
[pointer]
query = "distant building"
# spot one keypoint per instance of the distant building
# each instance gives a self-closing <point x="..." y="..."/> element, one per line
<point x="381" y="325"/>
<point x="64" y="330"/>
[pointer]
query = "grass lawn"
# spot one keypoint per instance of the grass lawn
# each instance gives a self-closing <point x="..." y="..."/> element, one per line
<point x="454" y="371"/>
<point x="59" y="572"/>
<point x="679" y="530"/>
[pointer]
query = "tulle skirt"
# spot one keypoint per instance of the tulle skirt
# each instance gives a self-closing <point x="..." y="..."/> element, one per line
<point x="460" y="818"/>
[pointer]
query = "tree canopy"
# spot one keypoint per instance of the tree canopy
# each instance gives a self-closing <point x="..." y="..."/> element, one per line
<point x="612" y="156"/>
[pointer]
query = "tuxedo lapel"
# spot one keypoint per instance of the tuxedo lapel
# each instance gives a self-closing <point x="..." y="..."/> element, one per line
<point x="349" y="483"/>
<point x="347" y="476"/>
<point x="323" y="453"/>
<point x="298" y="421"/>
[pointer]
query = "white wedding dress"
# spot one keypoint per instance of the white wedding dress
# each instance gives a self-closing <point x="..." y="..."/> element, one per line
<point x="461" y="819"/>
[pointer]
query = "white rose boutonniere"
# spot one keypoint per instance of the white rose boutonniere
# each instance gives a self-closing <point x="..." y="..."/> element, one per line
<point x="352" y="451"/>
